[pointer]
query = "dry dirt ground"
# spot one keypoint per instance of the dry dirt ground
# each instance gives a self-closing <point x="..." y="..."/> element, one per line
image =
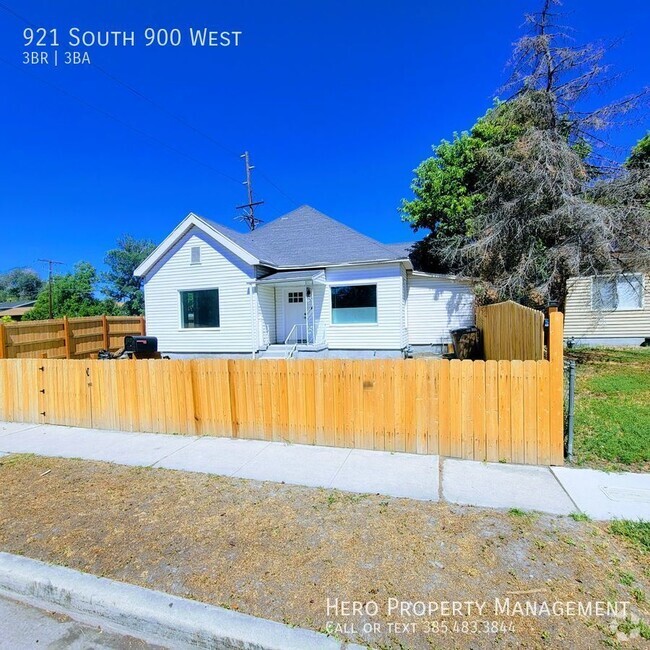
<point x="280" y="552"/>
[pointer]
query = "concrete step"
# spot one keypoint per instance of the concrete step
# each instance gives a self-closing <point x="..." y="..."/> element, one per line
<point x="276" y="351"/>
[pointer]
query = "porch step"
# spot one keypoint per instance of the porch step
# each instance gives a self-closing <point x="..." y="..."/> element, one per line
<point x="276" y="351"/>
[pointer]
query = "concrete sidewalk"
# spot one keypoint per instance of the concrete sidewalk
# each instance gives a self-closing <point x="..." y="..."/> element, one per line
<point x="554" y="490"/>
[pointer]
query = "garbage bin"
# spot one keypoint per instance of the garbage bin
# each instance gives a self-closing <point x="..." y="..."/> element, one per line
<point x="467" y="342"/>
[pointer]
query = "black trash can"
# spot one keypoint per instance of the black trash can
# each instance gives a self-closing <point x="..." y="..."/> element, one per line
<point x="467" y="343"/>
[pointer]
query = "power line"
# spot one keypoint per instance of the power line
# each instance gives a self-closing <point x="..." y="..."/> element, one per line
<point x="162" y="109"/>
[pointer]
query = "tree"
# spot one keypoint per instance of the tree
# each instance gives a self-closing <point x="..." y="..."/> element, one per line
<point x="447" y="186"/>
<point x="120" y="283"/>
<point x="20" y="284"/>
<point x="543" y="205"/>
<point x="640" y="154"/>
<point x="73" y="294"/>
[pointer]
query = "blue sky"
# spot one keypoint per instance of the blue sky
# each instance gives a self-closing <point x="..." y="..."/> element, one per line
<point x="336" y="101"/>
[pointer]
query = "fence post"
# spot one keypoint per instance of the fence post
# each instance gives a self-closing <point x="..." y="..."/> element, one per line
<point x="105" y="333"/>
<point x="67" y="338"/>
<point x="143" y="326"/>
<point x="232" y="392"/>
<point x="556" y="359"/>
<point x="3" y="341"/>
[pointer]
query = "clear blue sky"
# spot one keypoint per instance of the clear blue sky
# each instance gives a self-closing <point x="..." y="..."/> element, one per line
<point x="337" y="102"/>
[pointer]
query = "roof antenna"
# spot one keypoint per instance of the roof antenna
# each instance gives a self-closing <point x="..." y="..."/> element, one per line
<point x="249" y="215"/>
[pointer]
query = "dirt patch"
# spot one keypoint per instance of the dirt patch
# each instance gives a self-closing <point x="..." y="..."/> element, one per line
<point x="281" y="551"/>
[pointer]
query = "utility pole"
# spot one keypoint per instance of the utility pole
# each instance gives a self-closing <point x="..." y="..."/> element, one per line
<point x="50" y="264"/>
<point x="249" y="215"/>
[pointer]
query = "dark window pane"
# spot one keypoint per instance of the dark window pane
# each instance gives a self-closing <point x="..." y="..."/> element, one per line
<point x="354" y="304"/>
<point x="200" y="308"/>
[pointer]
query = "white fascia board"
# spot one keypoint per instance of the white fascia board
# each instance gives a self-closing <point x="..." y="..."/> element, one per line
<point x="192" y="220"/>
<point x="443" y="276"/>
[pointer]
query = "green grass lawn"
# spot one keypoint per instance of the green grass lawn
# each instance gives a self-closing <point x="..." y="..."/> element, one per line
<point x="612" y="419"/>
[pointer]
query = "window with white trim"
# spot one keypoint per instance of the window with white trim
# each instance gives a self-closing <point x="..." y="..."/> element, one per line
<point x="200" y="308"/>
<point x="617" y="292"/>
<point x="195" y="255"/>
<point x="356" y="303"/>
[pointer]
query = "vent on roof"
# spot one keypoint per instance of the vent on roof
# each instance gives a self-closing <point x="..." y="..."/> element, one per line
<point x="196" y="255"/>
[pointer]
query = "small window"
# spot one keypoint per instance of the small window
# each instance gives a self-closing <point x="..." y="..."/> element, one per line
<point x="196" y="255"/>
<point x="354" y="304"/>
<point x="620" y="292"/>
<point x="296" y="296"/>
<point x="200" y="308"/>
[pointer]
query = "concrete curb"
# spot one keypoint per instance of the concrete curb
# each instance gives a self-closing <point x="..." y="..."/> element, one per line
<point x="151" y="613"/>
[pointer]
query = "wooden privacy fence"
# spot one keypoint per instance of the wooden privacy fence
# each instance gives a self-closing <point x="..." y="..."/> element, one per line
<point x="66" y="338"/>
<point x="482" y="410"/>
<point x="511" y="331"/>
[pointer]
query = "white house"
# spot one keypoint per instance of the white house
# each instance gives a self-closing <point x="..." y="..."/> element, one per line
<point x="608" y="310"/>
<point x="303" y="284"/>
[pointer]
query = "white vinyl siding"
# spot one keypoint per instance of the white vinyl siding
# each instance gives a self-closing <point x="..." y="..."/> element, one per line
<point x="386" y="333"/>
<point x="435" y="306"/>
<point x="219" y="269"/>
<point x="583" y="320"/>
<point x="405" y="290"/>
<point x="266" y="301"/>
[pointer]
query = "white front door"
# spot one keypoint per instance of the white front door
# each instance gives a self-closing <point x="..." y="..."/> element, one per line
<point x="294" y="313"/>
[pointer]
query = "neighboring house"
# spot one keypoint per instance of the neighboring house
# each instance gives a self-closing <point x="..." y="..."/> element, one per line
<point x="302" y="284"/>
<point x="608" y="310"/>
<point x="16" y="310"/>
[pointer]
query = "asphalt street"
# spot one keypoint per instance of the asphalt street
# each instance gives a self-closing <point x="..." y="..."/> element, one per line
<point x="23" y="627"/>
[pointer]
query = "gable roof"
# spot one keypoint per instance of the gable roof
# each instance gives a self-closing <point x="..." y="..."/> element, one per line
<point x="306" y="237"/>
<point x="404" y="248"/>
<point x="302" y="238"/>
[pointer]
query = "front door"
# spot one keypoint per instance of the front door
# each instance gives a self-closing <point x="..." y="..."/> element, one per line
<point x="294" y="314"/>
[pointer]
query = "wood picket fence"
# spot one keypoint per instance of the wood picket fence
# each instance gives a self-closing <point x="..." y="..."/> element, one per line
<point x="66" y="338"/>
<point x="483" y="410"/>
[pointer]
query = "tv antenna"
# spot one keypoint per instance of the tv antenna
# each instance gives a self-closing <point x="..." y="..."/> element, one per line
<point x="50" y="264"/>
<point x="249" y="214"/>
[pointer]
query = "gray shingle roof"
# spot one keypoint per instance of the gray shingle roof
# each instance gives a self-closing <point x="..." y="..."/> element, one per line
<point x="402" y="248"/>
<point x="13" y="305"/>
<point x="306" y="237"/>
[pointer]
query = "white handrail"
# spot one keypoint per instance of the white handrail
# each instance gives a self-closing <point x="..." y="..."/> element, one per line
<point x="293" y="329"/>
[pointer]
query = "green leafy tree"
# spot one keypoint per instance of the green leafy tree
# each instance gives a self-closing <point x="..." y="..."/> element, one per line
<point x="19" y="284"/>
<point x="119" y="282"/>
<point x="73" y="295"/>
<point x="640" y="155"/>
<point x="448" y="186"/>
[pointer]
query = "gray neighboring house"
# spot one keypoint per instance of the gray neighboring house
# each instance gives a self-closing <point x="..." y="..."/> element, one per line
<point x="303" y="284"/>
<point x="16" y="309"/>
